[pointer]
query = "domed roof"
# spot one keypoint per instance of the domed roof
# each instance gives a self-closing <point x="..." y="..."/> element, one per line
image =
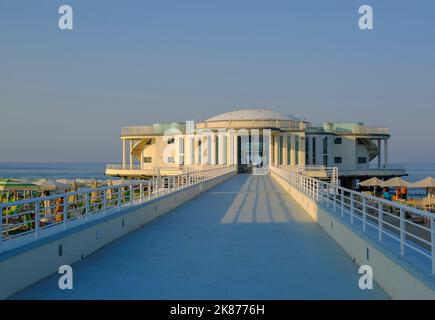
<point x="252" y="114"/>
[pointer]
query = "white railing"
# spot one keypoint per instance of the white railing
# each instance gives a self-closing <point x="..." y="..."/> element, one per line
<point x="355" y="130"/>
<point x="123" y="167"/>
<point x="409" y="231"/>
<point x="27" y="220"/>
<point x="331" y="172"/>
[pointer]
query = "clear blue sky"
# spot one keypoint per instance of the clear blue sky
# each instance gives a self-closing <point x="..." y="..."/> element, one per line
<point x="64" y="96"/>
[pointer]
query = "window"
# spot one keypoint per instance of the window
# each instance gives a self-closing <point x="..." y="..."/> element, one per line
<point x="362" y="160"/>
<point x="289" y="146"/>
<point x="281" y="146"/>
<point x="171" y="140"/>
<point x="171" y="160"/>
<point x="147" y="160"/>
<point x="338" y="160"/>
<point x="314" y="151"/>
<point x="338" y="141"/>
<point x="325" y="145"/>
<point x="360" y="142"/>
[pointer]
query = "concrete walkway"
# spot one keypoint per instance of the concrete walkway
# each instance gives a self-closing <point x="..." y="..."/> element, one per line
<point x="244" y="239"/>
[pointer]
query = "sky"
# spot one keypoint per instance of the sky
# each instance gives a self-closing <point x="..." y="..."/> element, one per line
<point x="64" y="95"/>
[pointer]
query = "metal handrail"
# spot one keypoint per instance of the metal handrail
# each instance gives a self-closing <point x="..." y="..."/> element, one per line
<point x="412" y="228"/>
<point x="34" y="218"/>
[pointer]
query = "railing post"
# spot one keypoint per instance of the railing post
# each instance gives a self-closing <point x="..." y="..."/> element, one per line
<point x="432" y="237"/>
<point x="104" y="201"/>
<point x="1" y="227"/>
<point x="131" y="195"/>
<point x="352" y="206"/>
<point x="149" y="190"/>
<point x="119" y="197"/>
<point x="342" y="202"/>
<point x="65" y="211"/>
<point x="402" y="232"/>
<point x="380" y="220"/>
<point x="364" y="213"/>
<point x="317" y="190"/>
<point x="37" y="220"/>
<point x="86" y="205"/>
<point x="141" y="192"/>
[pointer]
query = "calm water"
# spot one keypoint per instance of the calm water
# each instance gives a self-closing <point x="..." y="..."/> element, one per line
<point x="96" y="170"/>
<point x="53" y="170"/>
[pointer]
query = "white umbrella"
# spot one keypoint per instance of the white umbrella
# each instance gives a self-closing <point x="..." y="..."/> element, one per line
<point x="395" y="183"/>
<point x="72" y="182"/>
<point x="429" y="184"/>
<point x="51" y="185"/>
<point x="372" y="182"/>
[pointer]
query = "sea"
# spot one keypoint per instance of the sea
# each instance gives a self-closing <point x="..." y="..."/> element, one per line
<point x="416" y="171"/>
<point x="53" y="170"/>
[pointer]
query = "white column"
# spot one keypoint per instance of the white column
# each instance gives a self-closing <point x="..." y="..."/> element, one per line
<point x="302" y="151"/>
<point x="131" y="156"/>
<point x="284" y="151"/>
<point x="187" y="149"/>
<point x="275" y="150"/>
<point x="255" y="141"/>
<point x="379" y="154"/>
<point x="229" y="148"/>
<point x="385" y="153"/>
<point x="176" y="150"/>
<point x="236" y="141"/>
<point x="293" y="152"/>
<point x="197" y="148"/>
<point x="204" y="149"/>
<point x="221" y="151"/>
<point x="124" y="154"/>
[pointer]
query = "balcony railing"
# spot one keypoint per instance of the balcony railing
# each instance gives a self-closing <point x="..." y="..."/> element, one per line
<point x="407" y="230"/>
<point x="356" y="130"/>
<point x="22" y="222"/>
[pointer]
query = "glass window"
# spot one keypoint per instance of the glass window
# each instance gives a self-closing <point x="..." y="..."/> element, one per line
<point x="147" y="159"/>
<point x="289" y="146"/>
<point x="338" y="141"/>
<point x="362" y="160"/>
<point x="338" y="160"/>
<point x="281" y="146"/>
<point x="325" y="145"/>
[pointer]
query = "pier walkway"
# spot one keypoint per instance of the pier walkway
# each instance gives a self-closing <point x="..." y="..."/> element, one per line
<point x="244" y="239"/>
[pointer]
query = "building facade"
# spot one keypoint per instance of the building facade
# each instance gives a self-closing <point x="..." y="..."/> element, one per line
<point x="254" y="138"/>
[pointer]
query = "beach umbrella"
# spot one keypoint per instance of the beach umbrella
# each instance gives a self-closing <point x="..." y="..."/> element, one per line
<point x="78" y="182"/>
<point x="395" y="183"/>
<point x="372" y="182"/>
<point x="73" y="198"/>
<point x="85" y="182"/>
<point x="428" y="184"/>
<point x="52" y="185"/>
<point x="94" y="195"/>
